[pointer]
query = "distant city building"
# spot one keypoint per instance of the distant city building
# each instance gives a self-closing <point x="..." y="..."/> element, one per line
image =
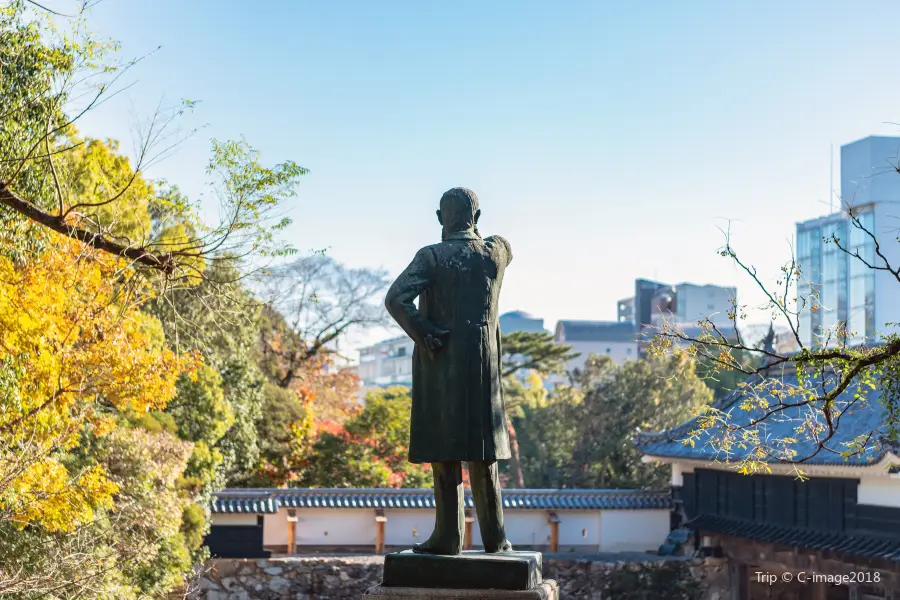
<point x="839" y="288"/>
<point x="606" y="338"/>
<point x="697" y="302"/>
<point x="625" y="310"/>
<point x="645" y="293"/>
<point x="386" y="363"/>
<point x="518" y="320"/>
<point x="685" y="304"/>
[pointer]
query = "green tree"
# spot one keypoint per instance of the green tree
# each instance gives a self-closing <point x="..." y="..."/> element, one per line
<point x="54" y="74"/>
<point x="650" y="394"/>
<point x="533" y="353"/>
<point x="547" y="437"/>
<point x="148" y="467"/>
<point x="222" y="404"/>
<point x="55" y="186"/>
<point x="284" y="429"/>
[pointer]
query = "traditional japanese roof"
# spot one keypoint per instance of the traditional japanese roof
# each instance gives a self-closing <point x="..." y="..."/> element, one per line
<point x="596" y="331"/>
<point x="243" y="502"/>
<point x="267" y="501"/>
<point x="859" y="417"/>
<point x="867" y="546"/>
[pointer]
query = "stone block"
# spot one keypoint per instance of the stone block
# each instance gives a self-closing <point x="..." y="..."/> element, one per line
<point x="546" y="590"/>
<point x="518" y="571"/>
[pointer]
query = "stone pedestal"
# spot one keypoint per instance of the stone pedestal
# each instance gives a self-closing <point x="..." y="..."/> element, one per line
<point x="469" y="576"/>
<point x="546" y="590"/>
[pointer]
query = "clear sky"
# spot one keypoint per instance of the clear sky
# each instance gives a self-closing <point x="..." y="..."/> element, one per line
<point x="606" y="140"/>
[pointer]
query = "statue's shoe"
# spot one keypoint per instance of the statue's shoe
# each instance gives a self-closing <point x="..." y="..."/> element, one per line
<point x="438" y="547"/>
<point x="503" y="546"/>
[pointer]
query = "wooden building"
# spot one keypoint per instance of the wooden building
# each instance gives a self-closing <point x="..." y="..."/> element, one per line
<point x="834" y="535"/>
<point x="260" y="522"/>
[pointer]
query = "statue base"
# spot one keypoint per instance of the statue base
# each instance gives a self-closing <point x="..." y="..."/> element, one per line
<point x="546" y="590"/>
<point x="511" y="571"/>
<point x="468" y="576"/>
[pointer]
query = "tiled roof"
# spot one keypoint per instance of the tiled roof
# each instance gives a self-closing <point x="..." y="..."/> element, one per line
<point x="852" y="545"/>
<point x="269" y="500"/>
<point x="859" y="417"/>
<point x="243" y="502"/>
<point x="598" y="331"/>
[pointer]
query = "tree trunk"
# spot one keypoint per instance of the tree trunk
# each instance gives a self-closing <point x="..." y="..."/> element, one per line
<point x="515" y="466"/>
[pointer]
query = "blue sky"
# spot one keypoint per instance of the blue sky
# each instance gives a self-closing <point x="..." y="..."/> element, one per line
<point x="606" y="140"/>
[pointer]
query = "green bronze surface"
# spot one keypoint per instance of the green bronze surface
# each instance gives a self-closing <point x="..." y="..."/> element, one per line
<point x="457" y="396"/>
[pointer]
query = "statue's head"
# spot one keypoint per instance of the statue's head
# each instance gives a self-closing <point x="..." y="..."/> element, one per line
<point x="459" y="210"/>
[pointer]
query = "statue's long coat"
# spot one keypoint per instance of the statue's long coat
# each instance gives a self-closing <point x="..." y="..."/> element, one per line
<point x="457" y="396"/>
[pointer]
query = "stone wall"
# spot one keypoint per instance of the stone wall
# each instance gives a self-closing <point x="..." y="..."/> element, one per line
<point x="344" y="577"/>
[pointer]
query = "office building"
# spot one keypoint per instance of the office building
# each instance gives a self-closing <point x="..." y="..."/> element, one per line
<point x="837" y="290"/>
<point x="655" y="304"/>
<point x="605" y="338"/>
<point x="625" y="310"/>
<point x="694" y="303"/>
<point x="684" y="303"/>
<point x="386" y="363"/>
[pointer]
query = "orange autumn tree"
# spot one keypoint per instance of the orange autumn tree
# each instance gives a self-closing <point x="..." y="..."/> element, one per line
<point x="368" y="450"/>
<point x="75" y="352"/>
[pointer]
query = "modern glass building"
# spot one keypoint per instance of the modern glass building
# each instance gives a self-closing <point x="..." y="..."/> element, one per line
<point x="836" y="289"/>
<point x="840" y="288"/>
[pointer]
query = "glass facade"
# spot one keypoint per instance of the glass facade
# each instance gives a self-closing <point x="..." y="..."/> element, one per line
<point x="861" y="322"/>
<point x="835" y="288"/>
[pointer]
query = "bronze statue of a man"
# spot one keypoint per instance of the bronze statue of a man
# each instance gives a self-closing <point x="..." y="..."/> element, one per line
<point x="457" y="397"/>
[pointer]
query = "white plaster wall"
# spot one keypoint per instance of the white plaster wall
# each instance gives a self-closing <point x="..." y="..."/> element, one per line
<point x="523" y="527"/>
<point x="678" y="471"/>
<point x="407" y="527"/>
<point x="579" y="528"/>
<point x="275" y="529"/>
<point x="532" y="528"/>
<point x="220" y="519"/>
<point x="879" y="491"/>
<point x="335" y="527"/>
<point x="610" y="530"/>
<point x="633" y="530"/>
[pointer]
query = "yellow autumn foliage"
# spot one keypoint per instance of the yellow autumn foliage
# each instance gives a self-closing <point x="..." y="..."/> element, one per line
<point x="75" y="350"/>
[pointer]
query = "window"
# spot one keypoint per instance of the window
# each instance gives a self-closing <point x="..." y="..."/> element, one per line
<point x="608" y="350"/>
<point x="401" y="351"/>
<point x="627" y="350"/>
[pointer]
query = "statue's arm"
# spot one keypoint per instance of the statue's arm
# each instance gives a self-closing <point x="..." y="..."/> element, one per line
<point x="503" y="244"/>
<point x="403" y="292"/>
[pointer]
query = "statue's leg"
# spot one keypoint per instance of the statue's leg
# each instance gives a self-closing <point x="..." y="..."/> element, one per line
<point x="489" y="505"/>
<point x="449" y="522"/>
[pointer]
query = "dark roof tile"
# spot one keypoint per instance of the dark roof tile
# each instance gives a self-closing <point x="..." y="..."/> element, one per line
<point x="264" y="501"/>
<point x="852" y="545"/>
<point x="598" y="331"/>
<point x="860" y="417"/>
